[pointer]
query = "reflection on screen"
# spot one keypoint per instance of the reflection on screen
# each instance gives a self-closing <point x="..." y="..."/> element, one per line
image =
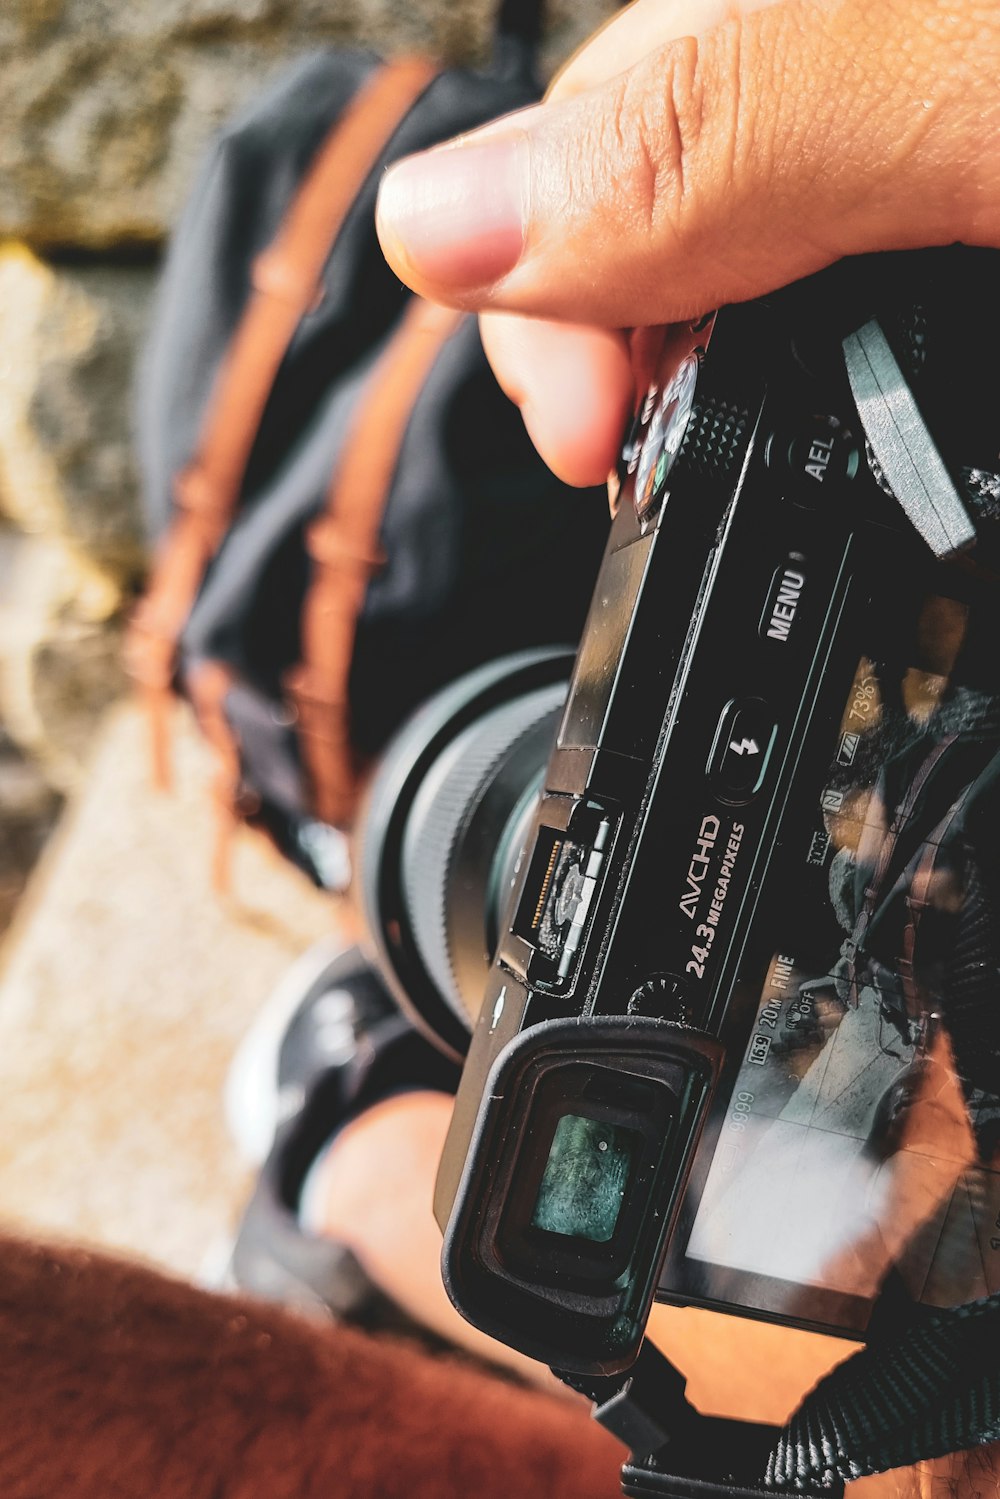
<point x="863" y="1131"/>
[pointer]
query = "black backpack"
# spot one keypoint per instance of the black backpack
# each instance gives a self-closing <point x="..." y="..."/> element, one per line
<point x="349" y="511"/>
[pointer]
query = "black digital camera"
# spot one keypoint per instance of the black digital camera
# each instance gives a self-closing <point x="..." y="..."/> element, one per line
<point x="723" y="917"/>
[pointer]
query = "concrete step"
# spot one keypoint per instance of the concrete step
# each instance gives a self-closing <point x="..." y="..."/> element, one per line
<point x="125" y="987"/>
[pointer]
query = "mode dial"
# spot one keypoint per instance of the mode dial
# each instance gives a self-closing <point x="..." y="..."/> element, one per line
<point x="664" y="997"/>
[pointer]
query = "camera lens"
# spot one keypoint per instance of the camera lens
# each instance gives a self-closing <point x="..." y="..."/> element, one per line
<point x="443" y="829"/>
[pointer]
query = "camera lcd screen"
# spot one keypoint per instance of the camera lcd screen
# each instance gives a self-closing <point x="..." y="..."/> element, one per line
<point x="861" y="1135"/>
<point x="585" y="1177"/>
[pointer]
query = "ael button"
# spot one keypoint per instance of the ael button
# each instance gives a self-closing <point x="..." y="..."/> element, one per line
<point x="741" y="750"/>
<point x="815" y="461"/>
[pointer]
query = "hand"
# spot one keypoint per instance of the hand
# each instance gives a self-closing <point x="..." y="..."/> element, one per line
<point x="697" y="152"/>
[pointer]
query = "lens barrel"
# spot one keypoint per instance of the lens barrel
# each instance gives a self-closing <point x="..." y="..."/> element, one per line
<point x="443" y="828"/>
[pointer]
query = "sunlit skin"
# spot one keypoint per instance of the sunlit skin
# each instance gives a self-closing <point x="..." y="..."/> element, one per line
<point x="734" y="1366"/>
<point x="694" y="152"/>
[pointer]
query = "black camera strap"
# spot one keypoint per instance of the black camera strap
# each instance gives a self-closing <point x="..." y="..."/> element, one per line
<point x="931" y="1387"/>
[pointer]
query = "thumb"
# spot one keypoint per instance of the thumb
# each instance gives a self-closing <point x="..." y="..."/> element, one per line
<point x="716" y="168"/>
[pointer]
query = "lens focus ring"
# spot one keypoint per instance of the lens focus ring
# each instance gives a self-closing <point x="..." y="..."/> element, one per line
<point x="440" y="819"/>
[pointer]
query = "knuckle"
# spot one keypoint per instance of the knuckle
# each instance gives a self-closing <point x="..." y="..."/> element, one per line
<point x="663" y="113"/>
<point x="679" y="122"/>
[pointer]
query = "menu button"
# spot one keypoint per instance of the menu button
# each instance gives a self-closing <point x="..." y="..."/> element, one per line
<point x="783" y="600"/>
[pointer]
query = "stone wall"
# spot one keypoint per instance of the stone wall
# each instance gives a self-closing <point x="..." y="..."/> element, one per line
<point x="107" y="103"/>
<point x="107" y="107"/>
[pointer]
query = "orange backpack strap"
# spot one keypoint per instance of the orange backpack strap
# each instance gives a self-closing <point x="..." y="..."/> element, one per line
<point x="207" y="683"/>
<point x="344" y="545"/>
<point x="286" y="283"/>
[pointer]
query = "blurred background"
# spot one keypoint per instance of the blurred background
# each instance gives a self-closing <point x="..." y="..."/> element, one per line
<point x="125" y="984"/>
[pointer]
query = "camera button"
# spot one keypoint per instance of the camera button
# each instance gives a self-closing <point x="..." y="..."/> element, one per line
<point x="817" y="458"/>
<point x="779" y="620"/>
<point x="742" y="749"/>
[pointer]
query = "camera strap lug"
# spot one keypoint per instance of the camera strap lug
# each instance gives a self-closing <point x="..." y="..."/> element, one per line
<point x="645" y="1407"/>
<point x="675" y="1450"/>
<point x="715" y="1459"/>
<point x="928" y="1383"/>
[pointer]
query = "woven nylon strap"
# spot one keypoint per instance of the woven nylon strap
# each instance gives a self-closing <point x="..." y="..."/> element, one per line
<point x="922" y="1391"/>
<point x="928" y="1391"/>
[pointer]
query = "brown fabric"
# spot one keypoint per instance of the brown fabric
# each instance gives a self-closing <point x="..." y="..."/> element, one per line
<point x="286" y="283"/>
<point x="343" y="544"/>
<point x="117" y="1383"/>
<point x="207" y="684"/>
